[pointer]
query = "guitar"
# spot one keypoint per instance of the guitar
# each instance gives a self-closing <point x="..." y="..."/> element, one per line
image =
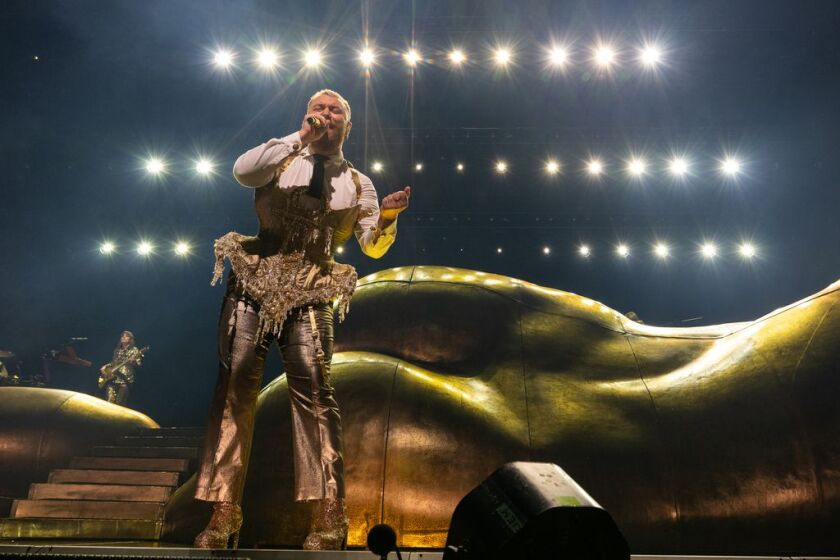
<point x="109" y="371"/>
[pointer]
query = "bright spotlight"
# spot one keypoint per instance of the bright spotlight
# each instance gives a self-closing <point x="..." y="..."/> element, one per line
<point x="378" y="166"/>
<point x="595" y="167"/>
<point x="223" y="58"/>
<point x="502" y="56"/>
<point x="678" y="166"/>
<point x="204" y="167"/>
<point x="459" y="167"/>
<point x="708" y="250"/>
<point x="155" y="166"/>
<point x="730" y="166"/>
<point x="584" y="251"/>
<point x="604" y="56"/>
<point x="418" y="167"/>
<point x="637" y="167"/>
<point x="367" y="57"/>
<point x="312" y="58"/>
<point x="182" y="248"/>
<point x="552" y="167"/>
<point x="501" y="167"/>
<point x="661" y="250"/>
<point x="144" y="248"/>
<point x="747" y="250"/>
<point x="340" y="250"/>
<point x="546" y="250"/>
<point x="412" y="57"/>
<point x="499" y="250"/>
<point x="107" y="248"/>
<point x="457" y="57"/>
<point x="650" y="55"/>
<point x="558" y="56"/>
<point x="622" y="250"/>
<point x="267" y="58"/>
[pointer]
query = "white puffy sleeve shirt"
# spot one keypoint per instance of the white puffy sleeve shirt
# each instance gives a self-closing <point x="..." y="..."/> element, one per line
<point x="258" y="166"/>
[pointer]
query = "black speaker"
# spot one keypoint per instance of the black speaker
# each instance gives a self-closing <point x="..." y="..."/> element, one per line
<point x="532" y="511"/>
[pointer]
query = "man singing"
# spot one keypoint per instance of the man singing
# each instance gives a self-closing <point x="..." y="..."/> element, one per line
<point x="282" y="286"/>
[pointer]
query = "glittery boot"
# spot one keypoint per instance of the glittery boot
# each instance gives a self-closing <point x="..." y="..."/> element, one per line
<point x="223" y="529"/>
<point x="328" y="530"/>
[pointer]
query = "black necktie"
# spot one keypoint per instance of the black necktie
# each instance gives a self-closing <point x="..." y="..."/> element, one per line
<point x="316" y="185"/>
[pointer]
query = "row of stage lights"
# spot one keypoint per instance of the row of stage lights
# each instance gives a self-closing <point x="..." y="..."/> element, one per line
<point x="661" y="250"/>
<point x="638" y="167"/>
<point x="602" y="56"/>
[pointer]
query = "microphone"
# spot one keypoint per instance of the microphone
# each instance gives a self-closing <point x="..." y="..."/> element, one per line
<point x="314" y="122"/>
<point x="382" y="539"/>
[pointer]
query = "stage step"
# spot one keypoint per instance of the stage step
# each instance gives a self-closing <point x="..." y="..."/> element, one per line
<point x="85" y="476"/>
<point x="153" y="452"/>
<point x="174" y="431"/>
<point x="159" y="441"/>
<point x="130" y="463"/>
<point x="87" y="509"/>
<point x="56" y="528"/>
<point x="119" y="492"/>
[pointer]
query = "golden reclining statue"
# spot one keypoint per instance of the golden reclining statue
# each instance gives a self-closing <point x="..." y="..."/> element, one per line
<point x="709" y="440"/>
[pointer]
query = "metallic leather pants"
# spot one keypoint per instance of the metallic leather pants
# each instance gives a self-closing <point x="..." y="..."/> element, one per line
<point x="116" y="393"/>
<point x="316" y="424"/>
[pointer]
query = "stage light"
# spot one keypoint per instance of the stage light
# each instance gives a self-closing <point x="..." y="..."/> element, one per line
<point x="650" y="55"/>
<point x="312" y="58"/>
<point x="584" y="251"/>
<point x="498" y="250"/>
<point x="107" y="248"/>
<point x="459" y="167"/>
<point x="418" y="167"/>
<point x="622" y="250"/>
<point x="604" y="56"/>
<point x="552" y="167"/>
<point x="502" y="56"/>
<point x="182" y="248"/>
<point x="267" y="58"/>
<point x="730" y="166"/>
<point x="678" y="166"/>
<point x="204" y="167"/>
<point x="747" y="250"/>
<point x="457" y="57"/>
<point x="637" y="167"/>
<point x="412" y="57"/>
<point x="339" y="250"/>
<point x="223" y="58"/>
<point x="144" y="248"/>
<point x="708" y="250"/>
<point x="558" y="56"/>
<point x="546" y="250"/>
<point x="661" y="250"/>
<point x="595" y="167"/>
<point x="501" y="167"/>
<point x="155" y="166"/>
<point x="367" y="57"/>
<point x="378" y="166"/>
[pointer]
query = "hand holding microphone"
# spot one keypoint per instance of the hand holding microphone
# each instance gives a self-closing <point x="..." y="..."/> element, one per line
<point x="312" y="128"/>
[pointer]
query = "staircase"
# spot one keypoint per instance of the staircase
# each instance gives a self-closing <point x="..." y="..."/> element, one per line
<point x="117" y="491"/>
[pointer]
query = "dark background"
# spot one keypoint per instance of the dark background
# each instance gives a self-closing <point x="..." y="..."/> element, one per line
<point x="115" y="81"/>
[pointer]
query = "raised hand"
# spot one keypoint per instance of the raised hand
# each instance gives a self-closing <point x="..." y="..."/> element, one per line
<point x="392" y="205"/>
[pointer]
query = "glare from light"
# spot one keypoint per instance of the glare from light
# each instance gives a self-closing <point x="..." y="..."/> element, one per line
<point x="367" y="57"/>
<point x="144" y="248"/>
<point x="267" y="58"/>
<point x="378" y="166"/>
<point x="418" y="167"/>
<point x="204" y="167"/>
<point x="650" y="55"/>
<point x="604" y="56"/>
<point x="499" y="250"/>
<point x="312" y="58"/>
<point x="223" y="58"/>
<point x="107" y="248"/>
<point x="708" y="250"/>
<point x="546" y="250"/>
<point x="622" y="250"/>
<point x="584" y="251"/>
<point x="457" y="57"/>
<point x="155" y="166"/>
<point x="558" y="56"/>
<point x="552" y="167"/>
<point x="501" y="167"/>
<point x="747" y="250"/>
<point x="182" y="248"/>
<point x="661" y="250"/>
<point x="459" y="167"/>
<point x="678" y="166"/>
<point x="637" y="167"/>
<point x="730" y="166"/>
<point x="595" y="167"/>
<point x="412" y="57"/>
<point x="502" y="56"/>
<point x="339" y="250"/>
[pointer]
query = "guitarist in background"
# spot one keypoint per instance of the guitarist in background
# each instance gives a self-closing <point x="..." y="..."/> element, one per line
<point x="116" y="376"/>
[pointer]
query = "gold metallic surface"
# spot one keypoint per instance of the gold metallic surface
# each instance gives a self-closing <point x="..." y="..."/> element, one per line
<point x="710" y="440"/>
<point x="41" y="429"/>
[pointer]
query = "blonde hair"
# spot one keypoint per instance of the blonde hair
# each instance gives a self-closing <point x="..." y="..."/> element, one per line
<point x="344" y="103"/>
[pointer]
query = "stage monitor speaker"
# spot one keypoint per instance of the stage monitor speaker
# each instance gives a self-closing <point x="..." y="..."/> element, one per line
<point x="530" y="511"/>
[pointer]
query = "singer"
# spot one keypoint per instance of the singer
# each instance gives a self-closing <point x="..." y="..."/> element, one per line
<point x="282" y="286"/>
